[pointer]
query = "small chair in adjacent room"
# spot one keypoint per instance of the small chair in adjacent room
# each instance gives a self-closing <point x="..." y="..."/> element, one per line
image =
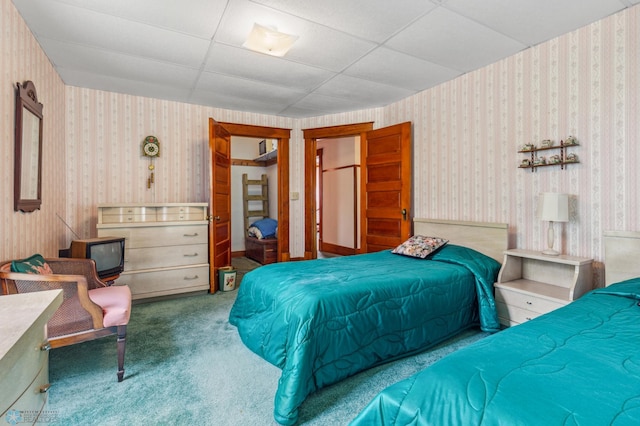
<point x="90" y="309"/>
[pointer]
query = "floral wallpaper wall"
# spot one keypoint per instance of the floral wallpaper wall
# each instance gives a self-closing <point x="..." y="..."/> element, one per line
<point x="467" y="133"/>
<point x="21" y="59"/>
<point x="466" y="136"/>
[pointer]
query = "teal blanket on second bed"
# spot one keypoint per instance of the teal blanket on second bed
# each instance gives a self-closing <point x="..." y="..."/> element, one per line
<point x="323" y="320"/>
<point x="578" y="365"/>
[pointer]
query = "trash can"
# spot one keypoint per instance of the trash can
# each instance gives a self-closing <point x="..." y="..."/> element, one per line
<point x="227" y="278"/>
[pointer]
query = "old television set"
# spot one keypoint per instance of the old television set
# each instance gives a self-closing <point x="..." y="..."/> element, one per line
<point x="107" y="252"/>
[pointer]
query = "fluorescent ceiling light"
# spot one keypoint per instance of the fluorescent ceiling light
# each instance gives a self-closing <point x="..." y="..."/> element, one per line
<point x="269" y="40"/>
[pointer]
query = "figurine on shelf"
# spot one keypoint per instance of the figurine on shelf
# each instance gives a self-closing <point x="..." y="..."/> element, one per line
<point x="547" y="143"/>
<point x="525" y="163"/>
<point x="554" y="159"/>
<point x="539" y="161"/>
<point x="571" y="158"/>
<point x="571" y="140"/>
<point x="528" y="147"/>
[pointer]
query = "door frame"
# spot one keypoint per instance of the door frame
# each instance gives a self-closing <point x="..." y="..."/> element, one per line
<point x="310" y="145"/>
<point x="283" y="136"/>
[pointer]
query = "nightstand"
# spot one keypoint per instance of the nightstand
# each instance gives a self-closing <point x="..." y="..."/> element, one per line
<point x="531" y="284"/>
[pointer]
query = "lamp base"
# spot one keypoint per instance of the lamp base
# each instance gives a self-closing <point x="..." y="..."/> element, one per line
<point x="550" y="252"/>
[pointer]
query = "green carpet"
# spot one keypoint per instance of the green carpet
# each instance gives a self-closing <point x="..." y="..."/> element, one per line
<point x="186" y="365"/>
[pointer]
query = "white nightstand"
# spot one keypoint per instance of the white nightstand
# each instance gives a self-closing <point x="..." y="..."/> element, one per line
<point x="531" y="284"/>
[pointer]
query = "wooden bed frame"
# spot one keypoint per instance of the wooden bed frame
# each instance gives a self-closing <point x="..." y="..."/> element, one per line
<point x="489" y="238"/>
<point x="622" y="255"/>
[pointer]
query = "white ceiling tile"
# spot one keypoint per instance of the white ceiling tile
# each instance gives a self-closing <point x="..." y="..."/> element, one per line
<point x="317" y="45"/>
<point x="84" y="27"/>
<point x="244" y="63"/>
<point x="247" y="89"/>
<point x="362" y="91"/>
<point x="375" y="20"/>
<point x="398" y="69"/>
<point x="196" y="17"/>
<point x="454" y="41"/>
<point x="350" y="55"/>
<point x="532" y="22"/>
<point x="120" y="85"/>
<point x="82" y="58"/>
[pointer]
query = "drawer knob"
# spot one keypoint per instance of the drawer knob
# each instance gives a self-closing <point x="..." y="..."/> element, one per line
<point x="195" y="277"/>
<point x="190" y="255"/>
<point x="195" y="234"/>
<point x="45" y="346"/>
<point x="529" y="303"/>
<point x="45" y="388"/>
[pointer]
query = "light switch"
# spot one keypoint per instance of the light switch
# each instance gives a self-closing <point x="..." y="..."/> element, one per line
<point x="295" y="195"/>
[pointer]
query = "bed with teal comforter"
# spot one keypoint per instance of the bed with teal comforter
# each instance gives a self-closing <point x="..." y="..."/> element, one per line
<point x="323" y="320"/>
<point x="578" y="365"/>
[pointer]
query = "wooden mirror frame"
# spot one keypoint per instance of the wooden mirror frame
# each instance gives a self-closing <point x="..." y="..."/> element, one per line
<point x="27" y="190"/>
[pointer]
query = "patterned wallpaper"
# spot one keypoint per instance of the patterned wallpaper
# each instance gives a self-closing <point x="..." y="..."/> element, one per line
<point x="466" y="133"/>
<point x="21" y="59"/>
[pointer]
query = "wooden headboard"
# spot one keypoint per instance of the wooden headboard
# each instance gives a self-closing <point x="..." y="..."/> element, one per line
<point x="621" y="256"/>
<point x="489" y="238"/>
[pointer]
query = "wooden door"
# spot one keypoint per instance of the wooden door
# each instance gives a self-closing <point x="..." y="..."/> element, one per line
<point x="386" y="181"/>
<point x="219" y="201"/>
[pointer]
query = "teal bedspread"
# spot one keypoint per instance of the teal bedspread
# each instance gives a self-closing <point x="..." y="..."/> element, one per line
<point x="323" y="320"/>
<point x="578" y="365"/>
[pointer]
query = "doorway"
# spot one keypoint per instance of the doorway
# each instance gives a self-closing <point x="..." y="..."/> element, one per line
<point x="219" y="236"/>
<point x="386" y="184"/>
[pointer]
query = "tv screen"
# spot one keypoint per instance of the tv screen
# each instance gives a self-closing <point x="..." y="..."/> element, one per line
<point x="107" y="252"/>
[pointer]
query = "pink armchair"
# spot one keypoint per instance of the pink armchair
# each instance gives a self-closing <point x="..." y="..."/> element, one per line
<point x="90" y="308"/>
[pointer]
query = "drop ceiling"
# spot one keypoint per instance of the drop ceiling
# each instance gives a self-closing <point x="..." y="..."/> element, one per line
<point x="350" y="54"/>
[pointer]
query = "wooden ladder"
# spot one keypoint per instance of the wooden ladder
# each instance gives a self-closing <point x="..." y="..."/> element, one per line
<point x="262" y="197"/>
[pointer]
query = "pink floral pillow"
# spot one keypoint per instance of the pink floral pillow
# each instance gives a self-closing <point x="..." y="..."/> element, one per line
<point x="420" y="246"/>
<point x="31" y="265"/>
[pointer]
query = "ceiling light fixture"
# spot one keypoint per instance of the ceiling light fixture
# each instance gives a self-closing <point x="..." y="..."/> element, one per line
<point x="268" y="40"/>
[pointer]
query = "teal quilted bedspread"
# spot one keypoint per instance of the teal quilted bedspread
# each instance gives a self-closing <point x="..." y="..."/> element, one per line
<point x="323" y="320"/>
<point x="578" y="365"/>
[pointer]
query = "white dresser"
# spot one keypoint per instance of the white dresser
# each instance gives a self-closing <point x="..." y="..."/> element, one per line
<point x="24" y="356"/>
<point x="531" y="284"/>
<point x="166" y="246"/>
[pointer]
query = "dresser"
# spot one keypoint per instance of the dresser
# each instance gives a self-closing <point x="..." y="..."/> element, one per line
<point x="24" y="356"/>
<point x="166" y="246"/>
<point x="531" y="284"/>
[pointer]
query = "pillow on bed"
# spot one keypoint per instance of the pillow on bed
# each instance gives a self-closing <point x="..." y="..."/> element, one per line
<point x="420" y="246"/>
<point x="263" y="228"/>
<point x="31" y="265"/>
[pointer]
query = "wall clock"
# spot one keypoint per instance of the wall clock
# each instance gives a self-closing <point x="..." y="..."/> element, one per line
<point x="151" y="149"/>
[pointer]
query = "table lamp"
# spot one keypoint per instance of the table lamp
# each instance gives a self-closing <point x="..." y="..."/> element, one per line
<point x="553" y="207"/>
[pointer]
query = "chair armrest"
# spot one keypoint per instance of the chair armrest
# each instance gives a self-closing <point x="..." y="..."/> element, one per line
<point x="71" y="286"/>
<point x="77" y="266"/>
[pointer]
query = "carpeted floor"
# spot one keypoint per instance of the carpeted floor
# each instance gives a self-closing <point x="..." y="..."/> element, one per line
<point x="186" y="365"/>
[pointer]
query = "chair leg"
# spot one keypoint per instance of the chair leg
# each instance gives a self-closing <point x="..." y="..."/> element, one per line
<point x="122" y="336"/>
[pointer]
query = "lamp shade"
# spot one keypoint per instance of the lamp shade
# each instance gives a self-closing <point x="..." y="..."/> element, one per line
<point x="553" y="207"/>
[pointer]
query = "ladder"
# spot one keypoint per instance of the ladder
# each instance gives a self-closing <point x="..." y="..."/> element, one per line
<point x="252" y="196"/>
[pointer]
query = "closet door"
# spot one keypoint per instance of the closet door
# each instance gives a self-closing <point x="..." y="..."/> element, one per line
<point x="219" y="201"/>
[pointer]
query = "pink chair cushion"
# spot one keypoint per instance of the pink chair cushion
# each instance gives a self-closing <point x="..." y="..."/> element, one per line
<point x="115" y="302"/>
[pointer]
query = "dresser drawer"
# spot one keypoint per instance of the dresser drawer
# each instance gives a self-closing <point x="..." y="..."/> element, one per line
<point x="158" y="257"/>
<point x="165" y="282"/>
<point x="165" y="214"/>
<point x="527" y="301"/>
<point x="128" y="214"/>
<point x="159" y="236"/>
<point x="26" y="359"/>
<point x="32" y="401"/>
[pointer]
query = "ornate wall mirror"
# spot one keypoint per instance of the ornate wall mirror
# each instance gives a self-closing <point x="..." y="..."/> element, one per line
<point x="27" y="190"/>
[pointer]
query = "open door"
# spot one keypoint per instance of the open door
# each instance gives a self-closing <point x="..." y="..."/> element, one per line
<point x="386" y="181"/>
<point x="219" y="201"/>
